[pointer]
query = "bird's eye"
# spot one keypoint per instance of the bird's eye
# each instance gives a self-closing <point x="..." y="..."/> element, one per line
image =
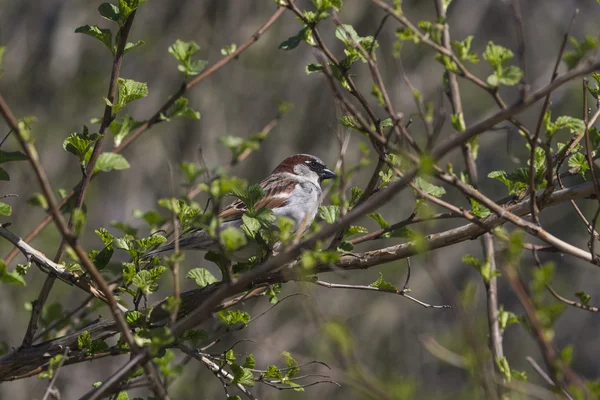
<point x="313" y="164"/>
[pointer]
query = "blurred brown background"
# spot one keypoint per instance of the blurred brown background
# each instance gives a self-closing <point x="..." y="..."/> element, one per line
<point x="61" y="77"/>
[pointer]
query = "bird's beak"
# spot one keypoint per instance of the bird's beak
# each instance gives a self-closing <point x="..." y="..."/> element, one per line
<point x="327" y="174"/>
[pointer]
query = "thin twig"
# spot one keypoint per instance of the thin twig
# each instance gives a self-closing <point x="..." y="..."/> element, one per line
<point x="55" y="376"/>
<point x="376" y="289"/>
<point x="571" y="302"/>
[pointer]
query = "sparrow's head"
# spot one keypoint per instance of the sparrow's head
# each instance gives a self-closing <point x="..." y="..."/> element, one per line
<point x="306" y="166"/>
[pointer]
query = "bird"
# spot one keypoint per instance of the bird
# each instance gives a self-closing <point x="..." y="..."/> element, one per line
<point x="292" y="190"/>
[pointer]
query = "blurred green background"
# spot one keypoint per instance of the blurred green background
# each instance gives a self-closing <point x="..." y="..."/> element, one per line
<point x="61" y="78"/>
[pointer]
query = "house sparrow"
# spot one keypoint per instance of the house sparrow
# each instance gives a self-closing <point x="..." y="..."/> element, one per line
<point x="293" y="190"/>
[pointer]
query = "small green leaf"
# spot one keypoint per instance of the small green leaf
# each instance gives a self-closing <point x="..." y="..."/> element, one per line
<point x="109" y="11"/>
<point x="583" y="297"/>
<point x="329" y="214"/>
<point x="128" y="91"/>
<point x="79" y="218"/>
<point x="84" y="340"/>
<point x="181" y="109"/>
<point x="202" y="276"/>
<point x="103" y="35"/>
<point x="463" y="50"/>
<point x="80" y="144"/>
<point x="233" y="317"/>
<point x="293" y="41"/>
<point x="183" y="52"/>
<point x="5" y="209"/>
<point x="241" y="375"/>
<point x="232" y="239"/>
<point x="126" y="7"/>
<point x="250" y="362"/>
<point x="12" y="278"/>
<point x="572" y="58"/>
<point x="145" y="282"/>
<point x="383" y="224"/>
<point x="382" y="284"/>
<point x="436" y="191"/>
<point x="111" y="161"/>
<point x="8" y="156"/>
<point x="229" y="49"/>
<point x="135" y="318"/>
<point x="122" y="128"/>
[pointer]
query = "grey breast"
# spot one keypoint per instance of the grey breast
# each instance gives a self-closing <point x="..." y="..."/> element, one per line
<point x="303" y="204"/>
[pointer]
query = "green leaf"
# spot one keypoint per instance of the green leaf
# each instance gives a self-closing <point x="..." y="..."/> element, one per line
<point x="80" y="144"/>
<point x="483" y="267"/>
<point x="241" y="375"/>
<point x="12" y="278"/>
<point x="579" y="161"/>
<point x="383" y="224"/>
<point x="202" y="276"/>
<point x="151" y="217"/>
<point x="506" y="318"/>
<point x="191" y="170"/>
<point x="458" y="122"/>
<point x="123" y="395"/>
<point x="583" y="297"/>
<point x="249" y="196"/>
<point x="516" y="183"/>
<point x="8" y="156"/>
<point x="510" y="76"/>
<point x="84" y="340"/>
<point x="103" y="35"/>
<point x="582" y="49"/>
<point x="5" y="209"/>
<point x="183" y="52"/>
<point x="128" y="91"/>
<point x="180" y="109"/>
<point x="497" y="56"/>
<point x="111" y="161"/>
<point x="130" y="46"/>
<point x="121" y="129"/>
<point x="109" y="11"/>
<point x="354" y="230"/>
<point x="382" y="284"/>
<point x="232" y="239"/>
<point x="293" y="41"/>
<point x="126" y="7"/>
<point x="436" y="191"/>
<point x="145" y="281"/>
<point x="4" y="175"/>
<point x="79" y="218"/>
<point x="250" y="362"/>
<point x="233" y="317"/>
<point x="229" y="49"/>
<point x="160" y="338"/>
<point x="463" y="50"/>
<point x="329" y="214"/>
<point x="314" y="67"/>
<point x="135" y="318"/>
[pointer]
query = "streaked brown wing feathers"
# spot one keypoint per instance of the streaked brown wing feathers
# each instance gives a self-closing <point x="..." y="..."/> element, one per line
<point x="274" y="188"/>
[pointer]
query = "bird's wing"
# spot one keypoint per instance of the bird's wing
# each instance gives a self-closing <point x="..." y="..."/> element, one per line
<point x="276" y="195"/>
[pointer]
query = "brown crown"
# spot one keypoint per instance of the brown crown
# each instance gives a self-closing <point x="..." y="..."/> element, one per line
<point x="289" y="163"/>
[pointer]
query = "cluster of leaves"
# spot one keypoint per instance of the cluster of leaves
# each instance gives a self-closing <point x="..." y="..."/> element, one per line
<point x="118" y="14"/>
<point x="352" y="50"/>
<point x="244" y="374"/>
